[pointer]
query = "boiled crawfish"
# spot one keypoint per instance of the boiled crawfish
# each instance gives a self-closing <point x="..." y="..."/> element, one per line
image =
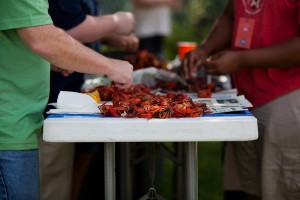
<point x="138" y="101"/>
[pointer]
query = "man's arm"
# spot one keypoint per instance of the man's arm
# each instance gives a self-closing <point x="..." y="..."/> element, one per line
<point x="220" y="35"/>
<point x="56" y="46"/>
<point x="218" y="39"/>
<point x="283" y="55"/>
<point x="97" y="27"/>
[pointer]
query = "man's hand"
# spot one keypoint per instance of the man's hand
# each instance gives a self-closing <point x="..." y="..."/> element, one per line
<point x="121" y="73"/>
<point x="192" y="63"/>
<point x="225" y="62"/>
<point x="125" y="22"/>
<point x="64" y="72"/>
<point x="127" y="42"/>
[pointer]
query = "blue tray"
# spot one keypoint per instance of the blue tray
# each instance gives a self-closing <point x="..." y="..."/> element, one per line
<point x="231" y="114"/>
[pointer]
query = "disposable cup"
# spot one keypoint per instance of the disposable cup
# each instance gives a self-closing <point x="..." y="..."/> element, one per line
<point x="185" y="47"/>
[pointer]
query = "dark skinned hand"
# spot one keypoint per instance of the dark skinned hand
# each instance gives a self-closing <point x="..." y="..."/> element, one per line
<point x="192" y="62"/>
<point x="225" y="62"/>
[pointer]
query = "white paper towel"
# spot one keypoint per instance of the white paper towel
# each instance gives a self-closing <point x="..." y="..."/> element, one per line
<point x="74" y="102"/>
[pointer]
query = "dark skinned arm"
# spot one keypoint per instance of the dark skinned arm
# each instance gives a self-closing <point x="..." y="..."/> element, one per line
<point x="282" y="55"/>
<point x="220" y="35"/>
<point x="218" y="39"/>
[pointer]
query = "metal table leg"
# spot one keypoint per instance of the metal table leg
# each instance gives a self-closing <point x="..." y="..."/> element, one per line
<point x="126" y="174"/>
<point x="179" y="170"/>
<point x="191" y="170"/>
<point x="109" y="171"/>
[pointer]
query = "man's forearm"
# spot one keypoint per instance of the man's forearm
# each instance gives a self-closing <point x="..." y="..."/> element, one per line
<point x="283" y="55"/>
<point x="94" y="28"/>
<point x="219" y="38"/>
<point x="53" y="44"/>
<point x="220" y="35"/>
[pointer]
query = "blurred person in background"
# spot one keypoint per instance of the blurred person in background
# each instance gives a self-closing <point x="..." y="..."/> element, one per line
<point x="80" y="20"/>
<point x="29" y="41"/>
<point x="258" y="42"/>
<point x="154" y="23"/>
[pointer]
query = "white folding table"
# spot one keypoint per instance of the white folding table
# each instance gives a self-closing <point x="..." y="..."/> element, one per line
<point x="92" y="128"/>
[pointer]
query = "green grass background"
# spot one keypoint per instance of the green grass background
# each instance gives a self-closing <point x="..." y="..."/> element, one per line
<point x="210" y="173"/>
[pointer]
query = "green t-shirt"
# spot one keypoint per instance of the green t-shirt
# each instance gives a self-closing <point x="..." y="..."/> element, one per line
<point x="24" y="76"/>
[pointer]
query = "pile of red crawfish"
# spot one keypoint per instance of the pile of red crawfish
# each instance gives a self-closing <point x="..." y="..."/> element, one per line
<point x="138" y="101"/>
<point x="144" y="58"/>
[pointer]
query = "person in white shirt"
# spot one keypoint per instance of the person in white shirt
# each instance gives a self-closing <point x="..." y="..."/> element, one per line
<point x="153" y="23"/>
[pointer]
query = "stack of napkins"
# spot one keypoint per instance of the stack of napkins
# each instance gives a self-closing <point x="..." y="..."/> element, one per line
<point x="74" y="102"/>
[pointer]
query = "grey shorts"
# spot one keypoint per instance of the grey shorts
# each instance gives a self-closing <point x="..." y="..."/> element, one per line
<point x="270" y="166"/>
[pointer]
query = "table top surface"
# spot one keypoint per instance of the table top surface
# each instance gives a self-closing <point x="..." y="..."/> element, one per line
<point x="96" y="128"/>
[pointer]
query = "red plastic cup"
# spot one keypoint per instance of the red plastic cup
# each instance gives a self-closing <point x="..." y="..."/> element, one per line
<point x="185" y="47"/>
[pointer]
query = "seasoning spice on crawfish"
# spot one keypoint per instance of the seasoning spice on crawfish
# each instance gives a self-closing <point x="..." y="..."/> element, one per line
<point x="138" y="101"/>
